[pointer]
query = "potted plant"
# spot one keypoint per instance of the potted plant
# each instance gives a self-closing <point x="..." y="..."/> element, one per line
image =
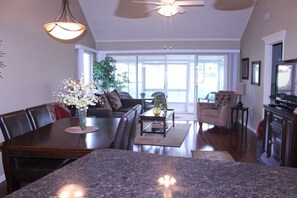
<point x="164" y="105"/>
<point x="104" y="72"/>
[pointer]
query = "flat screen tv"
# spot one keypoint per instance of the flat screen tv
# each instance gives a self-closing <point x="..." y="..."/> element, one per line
<point x="286" y="87"/>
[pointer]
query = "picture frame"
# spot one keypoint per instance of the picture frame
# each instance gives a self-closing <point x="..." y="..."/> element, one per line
<point x="256" y="73"/>
<point x="245" y="68"/>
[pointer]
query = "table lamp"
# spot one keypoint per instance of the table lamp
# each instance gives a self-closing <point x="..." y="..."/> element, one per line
<point x="240" y="90"/>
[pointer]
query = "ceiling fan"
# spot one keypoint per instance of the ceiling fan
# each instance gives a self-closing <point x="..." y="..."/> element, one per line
<point x="169" y="8"/>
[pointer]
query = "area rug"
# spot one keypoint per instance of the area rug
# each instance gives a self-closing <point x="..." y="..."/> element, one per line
<point x="174" y="137"/>
<point x="183" y="117"/>
<point x="213" y="155"/>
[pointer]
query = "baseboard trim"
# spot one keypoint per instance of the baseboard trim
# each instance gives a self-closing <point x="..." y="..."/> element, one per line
<point x="2" y="178"/>
<point x="252" y="129"/>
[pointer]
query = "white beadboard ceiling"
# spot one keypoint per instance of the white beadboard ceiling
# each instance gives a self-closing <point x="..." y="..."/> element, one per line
<point x="124" y="20"/>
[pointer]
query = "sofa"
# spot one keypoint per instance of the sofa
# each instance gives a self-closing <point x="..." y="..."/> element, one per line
<point x="111" y="102"/>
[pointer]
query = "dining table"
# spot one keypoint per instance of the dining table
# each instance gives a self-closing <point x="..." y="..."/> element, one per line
<point x="53" y="141"/>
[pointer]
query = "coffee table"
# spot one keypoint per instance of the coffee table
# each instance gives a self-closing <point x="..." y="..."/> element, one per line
<point x="158" y="123"/>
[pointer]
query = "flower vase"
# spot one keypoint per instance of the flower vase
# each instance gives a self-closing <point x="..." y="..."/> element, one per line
<point x="82" y="114"/>
<point x="157" y="111"/>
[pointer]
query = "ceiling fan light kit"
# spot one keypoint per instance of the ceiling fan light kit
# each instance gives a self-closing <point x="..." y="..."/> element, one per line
<point x="169" y="8"/>
<point x="65" y="26"/>
<point x="168" y="11"/>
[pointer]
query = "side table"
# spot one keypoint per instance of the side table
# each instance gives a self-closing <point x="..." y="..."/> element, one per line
<point x="243" y="110"/>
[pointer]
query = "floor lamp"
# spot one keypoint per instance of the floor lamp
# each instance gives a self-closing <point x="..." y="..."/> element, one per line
<point x="240" y="90"/>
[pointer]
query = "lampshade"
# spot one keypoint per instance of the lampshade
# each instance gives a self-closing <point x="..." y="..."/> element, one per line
<point x="65" y="26"/>
<point x="168" y="10"/>
<point x="240" y="89"/>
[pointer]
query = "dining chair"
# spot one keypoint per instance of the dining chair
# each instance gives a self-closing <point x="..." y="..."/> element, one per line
<point x="26" y="169"/>
<point x="39" y="116"/>
<point x="14" y="124"/>
<point x="121" y="140"/>
<point x="210" y="97"/>
<point x="137" y="110"/>
<point x="161" y="97"/>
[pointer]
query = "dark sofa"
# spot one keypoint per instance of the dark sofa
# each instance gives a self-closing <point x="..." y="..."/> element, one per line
<point x="111" y="104"/>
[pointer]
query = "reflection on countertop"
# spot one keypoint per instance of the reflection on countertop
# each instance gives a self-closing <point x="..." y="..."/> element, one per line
<point x="116" y="173"/>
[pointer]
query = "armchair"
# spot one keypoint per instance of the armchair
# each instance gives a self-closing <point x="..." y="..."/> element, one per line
<point x="219" y="112"/>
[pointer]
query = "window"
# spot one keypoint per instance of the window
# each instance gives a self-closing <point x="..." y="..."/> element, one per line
<point x="88" y="66"/>
<point x="174" y="75"/>
<point x="182" y="77"/>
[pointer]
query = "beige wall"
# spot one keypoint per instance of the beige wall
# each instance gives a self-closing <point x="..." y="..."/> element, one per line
<point x="282" y="16"/>
<point x="35" y="62"/>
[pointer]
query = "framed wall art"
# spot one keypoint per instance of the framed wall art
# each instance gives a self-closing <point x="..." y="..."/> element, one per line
<point x="245" y="68"/>
<point x="256" y="73"/>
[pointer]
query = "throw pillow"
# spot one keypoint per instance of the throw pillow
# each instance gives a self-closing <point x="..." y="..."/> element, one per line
<point x="221" y="100"/>
<point x="115" y="91"/>
<point x="115" y="100"/>
<point x="62" y="112"/>
<point x="104" y="102"/>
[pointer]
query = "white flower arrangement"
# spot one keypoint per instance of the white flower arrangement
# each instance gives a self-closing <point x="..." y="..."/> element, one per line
<point x="78" y="94"/>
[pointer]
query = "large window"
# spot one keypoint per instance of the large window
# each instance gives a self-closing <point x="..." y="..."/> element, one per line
<point x="85" y="60"/>
<point x="88" y="66"/>
<point x="183" y="77"/>
<point x="175" y="75"/>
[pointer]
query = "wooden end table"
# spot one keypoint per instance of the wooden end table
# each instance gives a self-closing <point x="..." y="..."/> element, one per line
<point x="243" y="110"/>
<point x="149" y="116"/>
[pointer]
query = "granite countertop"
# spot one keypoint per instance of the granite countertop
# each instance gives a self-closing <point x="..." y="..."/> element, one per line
<point x="116" y="173"/>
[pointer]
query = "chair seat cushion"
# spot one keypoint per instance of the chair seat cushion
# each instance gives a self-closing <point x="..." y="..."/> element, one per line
<point x="211" y="113"/>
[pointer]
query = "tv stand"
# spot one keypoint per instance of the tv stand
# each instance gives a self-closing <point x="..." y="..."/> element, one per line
<point x="280" y="137"/>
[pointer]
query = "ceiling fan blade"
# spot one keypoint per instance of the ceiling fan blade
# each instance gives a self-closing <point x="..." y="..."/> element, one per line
<point x="155" y="8"/>
<point x="190" y="3"/>
<point x="180" y="9"/>
<point x="151" y="3"/>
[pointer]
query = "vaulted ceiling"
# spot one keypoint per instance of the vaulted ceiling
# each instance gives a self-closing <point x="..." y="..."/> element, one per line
<point x="125" y="20"/>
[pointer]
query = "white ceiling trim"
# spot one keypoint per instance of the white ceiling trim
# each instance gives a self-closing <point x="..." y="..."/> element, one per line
<point x="143" y="40"/>
<point x="173" y="51"/>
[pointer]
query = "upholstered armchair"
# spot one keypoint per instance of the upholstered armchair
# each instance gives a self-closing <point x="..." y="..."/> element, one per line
<point x="219" y="112"/>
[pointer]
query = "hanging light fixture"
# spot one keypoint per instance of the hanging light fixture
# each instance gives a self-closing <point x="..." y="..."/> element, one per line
<point x="65" y="26"/>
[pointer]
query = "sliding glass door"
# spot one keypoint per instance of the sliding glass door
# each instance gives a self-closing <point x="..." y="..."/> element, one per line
<point x="183" y="78"/>
<point x="210" y="74"/>
<point x="153" y="74"/>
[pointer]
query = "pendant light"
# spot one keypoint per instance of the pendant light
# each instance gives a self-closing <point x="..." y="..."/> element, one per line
<point x="65" y="26"/>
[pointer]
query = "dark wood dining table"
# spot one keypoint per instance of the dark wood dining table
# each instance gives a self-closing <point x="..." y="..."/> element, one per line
<point x="51" y="141"/>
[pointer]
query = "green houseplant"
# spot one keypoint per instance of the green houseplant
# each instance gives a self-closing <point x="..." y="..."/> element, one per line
<point x="164" y="105"/>
<point x="104" y="72"/>
<point x="157" y="108"/>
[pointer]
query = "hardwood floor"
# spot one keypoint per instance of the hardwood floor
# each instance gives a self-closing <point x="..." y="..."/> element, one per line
<point x="208" y="138"/>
